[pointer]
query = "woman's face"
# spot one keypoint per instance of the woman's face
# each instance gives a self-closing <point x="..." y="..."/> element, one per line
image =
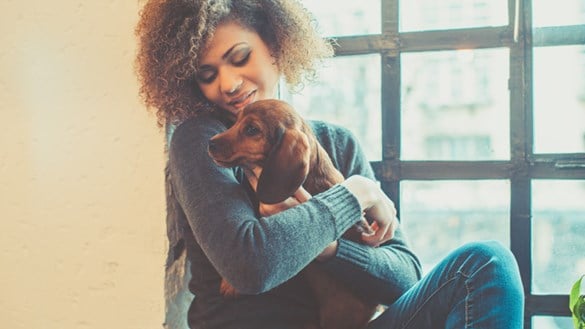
<point x="237" y="68"/>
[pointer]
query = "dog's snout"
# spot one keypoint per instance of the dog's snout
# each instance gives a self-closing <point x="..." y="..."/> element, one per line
<point x="212" y="145"/>
<point x="217" y="148"/>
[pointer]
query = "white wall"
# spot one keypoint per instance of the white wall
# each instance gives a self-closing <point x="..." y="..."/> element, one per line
<point x="82" y="235"/>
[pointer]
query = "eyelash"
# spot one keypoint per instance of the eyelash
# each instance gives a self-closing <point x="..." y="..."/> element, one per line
<point x="243" y="61"/>
<point x="239" y="63"/>
<point x="206" y="80"/>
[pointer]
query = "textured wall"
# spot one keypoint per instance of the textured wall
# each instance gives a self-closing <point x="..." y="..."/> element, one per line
<point x="82" y="236"/>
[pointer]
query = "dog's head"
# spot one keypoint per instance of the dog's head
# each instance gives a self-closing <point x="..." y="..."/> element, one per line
<point x="267" y="134"/>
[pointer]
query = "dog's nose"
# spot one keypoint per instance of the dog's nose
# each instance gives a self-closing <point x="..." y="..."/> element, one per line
<point x="212" y="145"/>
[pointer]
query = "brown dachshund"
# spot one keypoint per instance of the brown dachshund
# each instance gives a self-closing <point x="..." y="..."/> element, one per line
<point x="271" y="135"/>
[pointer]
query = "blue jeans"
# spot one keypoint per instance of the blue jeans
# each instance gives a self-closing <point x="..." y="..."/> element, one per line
<point x="476" y="286"/>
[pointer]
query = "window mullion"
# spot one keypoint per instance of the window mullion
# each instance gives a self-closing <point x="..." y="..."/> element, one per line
<point x="390" y="99"/>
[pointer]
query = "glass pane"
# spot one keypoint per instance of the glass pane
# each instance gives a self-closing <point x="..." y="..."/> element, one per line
<point x="348" y="94"/>
<point x="455" y="105"/>
<point x="558" y="230"/>
<point x="557" y="13"/>
<point x="346" y="17"/>
<point x="437" y="222"/>
<point x="424" y="15"/>
<point x="551" y="322"/>
<point x="559" y="99"/>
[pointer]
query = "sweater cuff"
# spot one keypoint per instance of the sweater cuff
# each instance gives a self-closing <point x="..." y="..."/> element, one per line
<point x="353" y="252"/>
<point x="343" y="205"/>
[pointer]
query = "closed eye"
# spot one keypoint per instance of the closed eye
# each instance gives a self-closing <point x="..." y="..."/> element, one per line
<point x="241" y="58"/>
<point x="206" y="75"/>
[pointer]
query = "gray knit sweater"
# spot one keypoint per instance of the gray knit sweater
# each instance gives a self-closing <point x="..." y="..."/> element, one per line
<point x="217" y="221"/>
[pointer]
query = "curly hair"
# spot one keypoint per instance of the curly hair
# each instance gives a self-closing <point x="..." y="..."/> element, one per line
<point x="172" y="35"/>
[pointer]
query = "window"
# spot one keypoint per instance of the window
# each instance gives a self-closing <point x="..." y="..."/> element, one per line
<point x="424" y="15"/>
<point x="479" y="99"/>
<point x="559" y="109"/>
<point x="442" y="222"/>
<point x="466" y="147"/>
<point x="338" y="98"/>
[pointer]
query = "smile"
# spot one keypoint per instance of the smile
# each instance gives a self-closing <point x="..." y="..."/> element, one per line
<point x="243" y="100"/>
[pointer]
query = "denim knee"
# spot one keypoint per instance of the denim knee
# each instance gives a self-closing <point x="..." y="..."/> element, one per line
<point x="491" y="249"/>
<point x="494" y="254"/>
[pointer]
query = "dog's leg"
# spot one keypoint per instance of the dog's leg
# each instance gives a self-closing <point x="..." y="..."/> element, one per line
<point x="339" y="308"/>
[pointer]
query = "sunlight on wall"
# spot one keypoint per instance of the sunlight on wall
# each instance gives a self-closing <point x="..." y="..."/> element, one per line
<point x="82" y="241"/>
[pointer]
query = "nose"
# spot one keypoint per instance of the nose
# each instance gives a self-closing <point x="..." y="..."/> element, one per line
<point x="230" y="82"/>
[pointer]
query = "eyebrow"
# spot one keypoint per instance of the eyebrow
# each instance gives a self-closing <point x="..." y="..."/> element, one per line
<point x="227" y="53"/>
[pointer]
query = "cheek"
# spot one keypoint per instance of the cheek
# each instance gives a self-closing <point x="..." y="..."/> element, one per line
<point x="270" y="79"/>
<point x="207" y="91"/>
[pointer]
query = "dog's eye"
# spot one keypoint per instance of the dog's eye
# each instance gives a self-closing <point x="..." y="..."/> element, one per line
<point x="251" y="130"/>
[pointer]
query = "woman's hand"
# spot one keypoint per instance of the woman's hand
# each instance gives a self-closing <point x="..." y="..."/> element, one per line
<point x="377" y="207"/>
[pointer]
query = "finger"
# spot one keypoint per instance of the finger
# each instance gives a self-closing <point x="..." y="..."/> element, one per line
<point x="367" y="239"/>
<point x="371" y="239"/>
<point x="302" y="195"/>
<point x="395" y="225"/>
<point x="253" y="180"/>
<point x="390" y="234"/>
<point x="288" y="203"/>
<point x="382" y="232"/>
<point x="374" y="226"/>
<point x="374" y="239"/>
<point x="383" y="218"/>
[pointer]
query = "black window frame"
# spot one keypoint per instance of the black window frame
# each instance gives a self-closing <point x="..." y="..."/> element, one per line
<point x="524" y="165"/>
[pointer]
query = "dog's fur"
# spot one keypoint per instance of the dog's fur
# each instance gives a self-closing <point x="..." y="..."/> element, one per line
<point x="270" y="135"/>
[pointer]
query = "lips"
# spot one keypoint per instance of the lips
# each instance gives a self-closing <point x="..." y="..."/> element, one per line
<point x="242" y="100"/>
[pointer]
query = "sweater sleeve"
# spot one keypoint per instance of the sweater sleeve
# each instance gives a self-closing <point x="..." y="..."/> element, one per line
<point x="253" y="253"/>
<point x="381" y="274"/>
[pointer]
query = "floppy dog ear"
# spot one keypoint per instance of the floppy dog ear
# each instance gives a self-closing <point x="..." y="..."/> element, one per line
<point x="286" y="167"/>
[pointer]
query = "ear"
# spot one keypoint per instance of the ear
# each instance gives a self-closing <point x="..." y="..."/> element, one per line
<point x="286" y="167"/>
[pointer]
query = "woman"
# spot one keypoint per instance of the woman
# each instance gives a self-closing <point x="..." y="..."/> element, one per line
<point x="199" y="63"/>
